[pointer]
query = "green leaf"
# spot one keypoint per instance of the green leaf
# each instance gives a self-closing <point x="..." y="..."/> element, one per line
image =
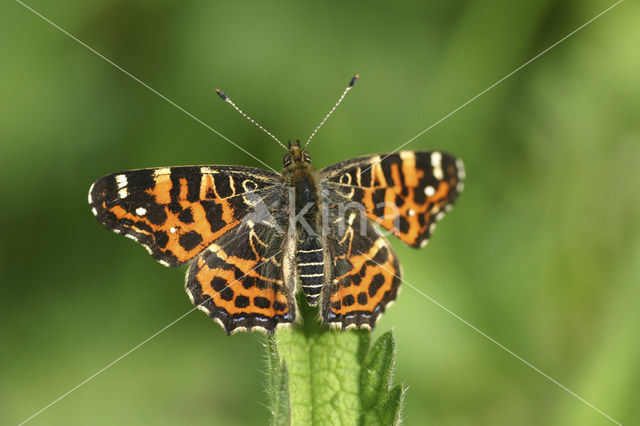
<point x="390" y="409"/>
<point x="381" y="405"/>
<point x="376" y="370"/>
<point x="320" y="376"/>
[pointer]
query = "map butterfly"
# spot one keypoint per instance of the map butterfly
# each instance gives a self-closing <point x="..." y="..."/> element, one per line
<point x="254" y="238"/>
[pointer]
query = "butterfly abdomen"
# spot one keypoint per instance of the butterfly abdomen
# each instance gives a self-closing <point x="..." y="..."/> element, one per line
<point x="310" y="259"/>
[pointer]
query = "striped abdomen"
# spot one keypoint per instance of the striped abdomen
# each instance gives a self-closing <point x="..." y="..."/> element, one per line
<point x="311" y="268"/>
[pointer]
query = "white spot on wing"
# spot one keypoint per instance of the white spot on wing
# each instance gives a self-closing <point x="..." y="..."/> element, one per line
<point x="429" y="191"/>
<point x="460" y="166"/>
<point x="172" y="230"/>
<point x="163" y="263"/>
<point x="436" y="163"/>
<point x="123" y="193"/>
<point x="94" y="211"/>
<point x="436" y="159"/>
<point x="411" y="212"/>
<point x="141" y="211"/>
<point x="121" y="180"/>
<point x="437" y="173"/>
<point x="162" y="171"/>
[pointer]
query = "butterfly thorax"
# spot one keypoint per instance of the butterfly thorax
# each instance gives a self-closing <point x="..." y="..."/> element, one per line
<point x="306" y="190"/>
<point x="300" y="175"/>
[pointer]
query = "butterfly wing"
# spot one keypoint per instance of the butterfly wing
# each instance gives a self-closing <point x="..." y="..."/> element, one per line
<point x="405" y="192"/>
<point x="365" y="276"/>
<point x="176" y="212"/>
<point x="243" y="280"/>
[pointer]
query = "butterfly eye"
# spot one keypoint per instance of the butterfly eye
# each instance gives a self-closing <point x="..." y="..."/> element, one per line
<point x="286" y="160"/>
<point x="306" y="157"/>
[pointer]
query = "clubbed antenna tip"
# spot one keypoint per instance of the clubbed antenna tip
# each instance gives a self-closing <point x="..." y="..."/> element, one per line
<point x="221" y="94"/>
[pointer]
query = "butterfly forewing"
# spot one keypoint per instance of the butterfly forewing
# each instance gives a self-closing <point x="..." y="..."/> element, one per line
<point x="176" y="212"/>
<point x="405" y="192"/>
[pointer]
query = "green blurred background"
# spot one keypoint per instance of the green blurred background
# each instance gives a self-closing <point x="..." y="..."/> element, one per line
<point x="541" y="252"/>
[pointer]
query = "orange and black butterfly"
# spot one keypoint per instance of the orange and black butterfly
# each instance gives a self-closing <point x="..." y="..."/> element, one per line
<point x="254" y="238"/>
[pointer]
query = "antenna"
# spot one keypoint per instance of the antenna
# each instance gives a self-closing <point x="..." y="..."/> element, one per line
<point x="349" y="87"/>
<point x="230" y="102"/>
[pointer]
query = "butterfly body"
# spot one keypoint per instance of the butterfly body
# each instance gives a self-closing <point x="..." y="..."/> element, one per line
<point x="254" y="238"/>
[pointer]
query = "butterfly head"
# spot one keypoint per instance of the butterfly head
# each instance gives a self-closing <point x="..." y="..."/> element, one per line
<point x="295" y="154"/>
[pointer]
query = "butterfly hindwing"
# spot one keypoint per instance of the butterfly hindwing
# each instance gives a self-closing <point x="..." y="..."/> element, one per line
<point x="365" y="274"/>
<point x="176" y="212"/>
<point x="239" y="281"/>
<point x="405" y="192"/>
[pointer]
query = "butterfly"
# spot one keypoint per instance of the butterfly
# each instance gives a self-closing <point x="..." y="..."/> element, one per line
<point x="255" y="238"/>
